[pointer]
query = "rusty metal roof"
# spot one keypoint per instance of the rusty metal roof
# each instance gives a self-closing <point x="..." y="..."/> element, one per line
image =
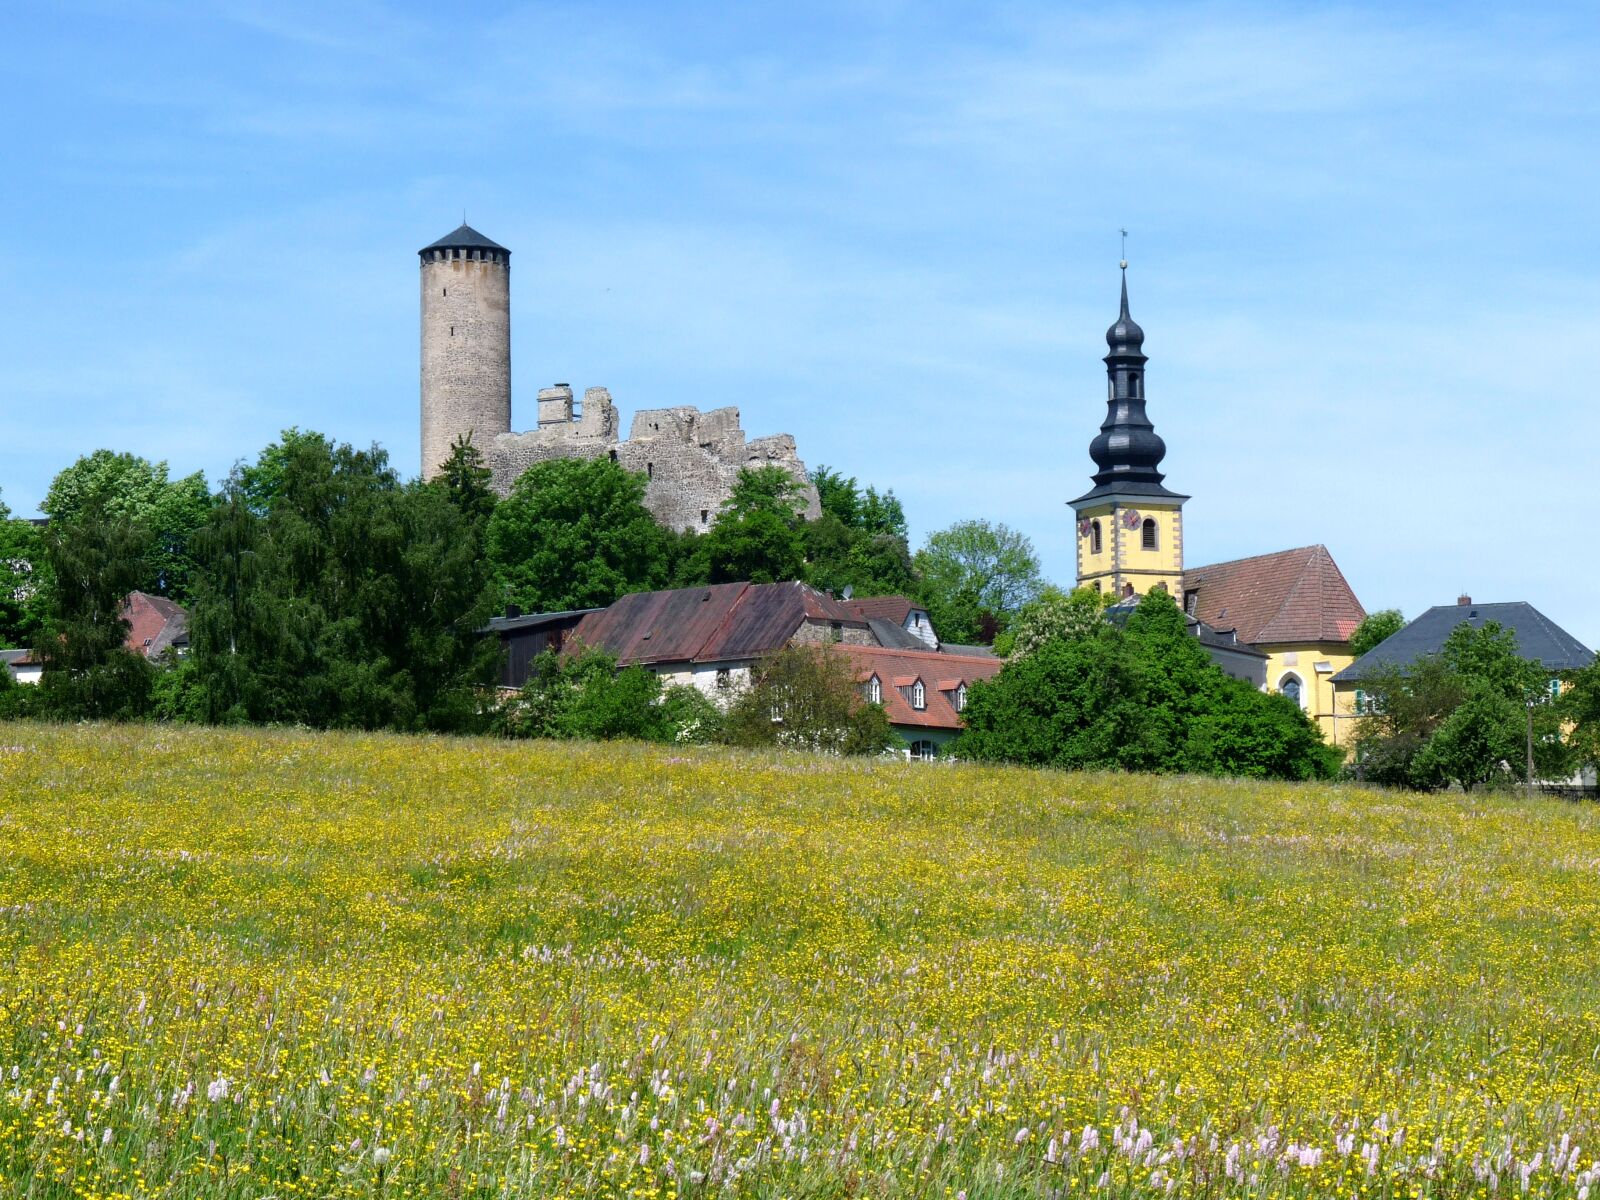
<point x="706" y="624"/>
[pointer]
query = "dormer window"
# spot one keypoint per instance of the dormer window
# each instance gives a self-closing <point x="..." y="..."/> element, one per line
<point x="875" y="690"/>
<point x="961" y="698"/>
<point x="919" y="696"/>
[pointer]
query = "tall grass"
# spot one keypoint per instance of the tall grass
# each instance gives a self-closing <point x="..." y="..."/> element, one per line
<point x="281" y="964"/>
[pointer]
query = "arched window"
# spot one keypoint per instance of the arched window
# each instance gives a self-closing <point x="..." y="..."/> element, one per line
<point x="919" y="696"/>
<point x="922" y="750"/>
<point x="875" y="690"/>
<point x="1148" y="535"/>
<point x="1094" y="537"/>
<point x="1290" y="686"/>
<point x="961" y="697"/>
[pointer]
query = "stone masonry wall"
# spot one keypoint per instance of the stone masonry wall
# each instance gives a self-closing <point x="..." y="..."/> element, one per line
<point x="466" y="352"/>
<point x="690" y="458"/>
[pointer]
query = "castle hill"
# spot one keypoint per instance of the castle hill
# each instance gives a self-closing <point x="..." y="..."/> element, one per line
<point x="1012" y="618"/>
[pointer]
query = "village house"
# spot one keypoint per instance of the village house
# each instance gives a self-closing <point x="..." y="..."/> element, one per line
<point x="923" y="692"/>
<point x="1539" y="640"/>
<point x="155" y="626"/>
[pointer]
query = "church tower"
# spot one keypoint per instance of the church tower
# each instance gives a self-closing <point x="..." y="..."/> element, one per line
<point x="466" y="344"/>
<point x="1130" y="527"/>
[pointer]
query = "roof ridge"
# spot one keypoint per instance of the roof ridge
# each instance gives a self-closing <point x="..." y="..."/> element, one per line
<point x="1228" y="562"/>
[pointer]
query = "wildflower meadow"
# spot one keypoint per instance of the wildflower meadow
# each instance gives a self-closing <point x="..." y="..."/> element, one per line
<point x="285" y="964"/>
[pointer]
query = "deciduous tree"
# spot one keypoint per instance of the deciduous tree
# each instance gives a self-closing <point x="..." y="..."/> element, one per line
<point x="575" y="533"/>
<point x="976" y="574"/>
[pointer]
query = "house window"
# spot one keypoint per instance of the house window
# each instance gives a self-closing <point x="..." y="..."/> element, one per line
<point x="1361" y="701"/>
<point x="961" y="698"/>
<point x="874" y="690"/>
<point x="649" y="470"/>
<point x="1147" y="534"/>
<point x="923" y="750"/>
<point x="723" y="678"/>
<point x="1555" y="688"/>
<point x="1191" y="600"/>
<point x="1290" y="686"/>
<point x="705" y="516"/>
<point x="1127" y="591"/>
<point x="919" y="695"/>
<point x="1094" y="537"/>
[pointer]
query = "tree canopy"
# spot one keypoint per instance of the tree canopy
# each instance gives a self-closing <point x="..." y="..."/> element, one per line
<point x="1143" y="696"/>
<point x="338" y="596"/>
<point x="24" y="587"/>
<point x="1376" y="627"/>
<point x="125" y="486"/>
<point x="1460" y="716"/>
<point x="804" y="699"/>
<point x="975" y="577"/>
<point x="574" y="533"/>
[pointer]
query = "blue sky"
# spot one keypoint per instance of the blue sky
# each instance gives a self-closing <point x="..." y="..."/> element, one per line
<point x="1362" y="238"/>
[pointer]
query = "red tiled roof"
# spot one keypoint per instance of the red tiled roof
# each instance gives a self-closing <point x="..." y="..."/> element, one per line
<point x="705" y="624"/>
<point x="1291" y="596"/>
<point x="892" y="666"/>
<point x="888" y="608"/>
<point x="154" y="622"/>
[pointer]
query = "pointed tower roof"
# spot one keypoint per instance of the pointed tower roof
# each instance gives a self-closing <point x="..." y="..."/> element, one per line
<point x="1125" y="337"/>
<point x="464" y="238"/>
<point x="1127" y="452"/>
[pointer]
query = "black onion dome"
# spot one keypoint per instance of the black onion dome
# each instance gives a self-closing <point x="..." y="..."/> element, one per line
<point x="1127" y="451"/>
<point x="1125" y="337"/>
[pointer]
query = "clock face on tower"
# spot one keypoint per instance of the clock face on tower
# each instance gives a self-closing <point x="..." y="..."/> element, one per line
<point x="1083" y="527"/>
<point x="1131" y="518"/>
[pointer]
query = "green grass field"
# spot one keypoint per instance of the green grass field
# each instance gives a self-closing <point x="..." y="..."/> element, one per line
<point x="291" y="965"/>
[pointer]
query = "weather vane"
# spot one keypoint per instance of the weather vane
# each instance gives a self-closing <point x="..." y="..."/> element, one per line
<point x="1124" y="233"/>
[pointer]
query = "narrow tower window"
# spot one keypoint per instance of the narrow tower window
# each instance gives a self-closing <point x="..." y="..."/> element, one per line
<point x="1094" y="537"/>
<point x="1147" y="534"/>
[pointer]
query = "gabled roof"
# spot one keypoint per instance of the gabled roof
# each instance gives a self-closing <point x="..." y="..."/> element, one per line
<point x="1539" y="639"/>
<point x="706" y="624"/>
<point x="154" y="624"/>
<point x="887" y="608"/>
<point x="464" y="237"/>
<point x="1291" y="596"/>
<point x="941" y="674"/>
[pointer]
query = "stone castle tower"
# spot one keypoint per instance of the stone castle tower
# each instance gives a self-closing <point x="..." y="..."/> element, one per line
<point x="466" y="343"/>
<point x="690" y="459"/>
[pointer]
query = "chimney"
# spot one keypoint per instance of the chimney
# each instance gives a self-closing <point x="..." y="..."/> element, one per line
<point x="513" y="610"/>
<point x="1463" y="600"/>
